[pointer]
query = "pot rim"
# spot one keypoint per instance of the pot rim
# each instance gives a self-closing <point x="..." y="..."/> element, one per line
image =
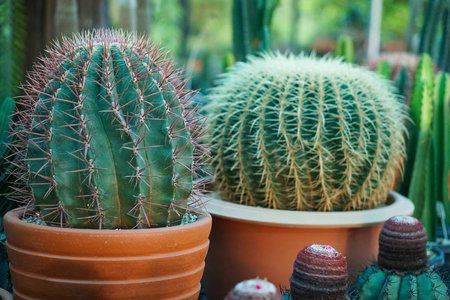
<point x="308" y="219"/>
<point x="14" y="217"/>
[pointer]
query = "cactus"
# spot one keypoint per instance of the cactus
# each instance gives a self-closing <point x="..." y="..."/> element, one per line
<point x="251" y="23"/>
<point x="427" y="167"/>
<point x="320" y="272"/>
<point x="384" y="69"/>
<point x="441" y="140"/>
<point x="402" y="270"/>
<point x="254" y="289"/>
<point x="6" y="156"/>
<point x="305" y="133"/>
<point x="106" y="140"/>
<point x="436" y="20"/>
<point x="345" y="49"/>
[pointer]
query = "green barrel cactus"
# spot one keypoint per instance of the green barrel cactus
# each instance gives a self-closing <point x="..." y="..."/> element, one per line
<point x="402" y="271"/>
<point x="108" y="138"/>
<point x="305" y="133"/>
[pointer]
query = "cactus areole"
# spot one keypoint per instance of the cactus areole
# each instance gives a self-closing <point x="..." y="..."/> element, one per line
<point x="305" y="133"/>
<point x="108" y="138"/>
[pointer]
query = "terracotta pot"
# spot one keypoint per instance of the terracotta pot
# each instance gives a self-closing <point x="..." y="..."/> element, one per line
<point x="247" y="242"/>
<point x="66" y="263"/>
<point x="5" y="295"/>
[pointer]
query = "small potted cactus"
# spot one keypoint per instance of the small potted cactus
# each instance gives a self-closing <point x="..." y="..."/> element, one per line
<point x="402" y="270"/>
<point x="305" y="151"/>
<point x="254" y="289"/>
<point x="107" y="142"/>
<point x="320" y="273"/>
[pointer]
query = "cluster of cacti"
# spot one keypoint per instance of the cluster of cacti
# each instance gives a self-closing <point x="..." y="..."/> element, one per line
<point x="107" y="138"/>
<point x="402" y="270"/>
<point x="344" y="49"/>
<point x="305" y="133"/>
<point x="320" y="272"/>
<point x="254" y="289"/>
<point x="251" y="23"/>
<point x="435" y="35"/>
<point x="427" y="166"/>
<point x="399" y="67"/>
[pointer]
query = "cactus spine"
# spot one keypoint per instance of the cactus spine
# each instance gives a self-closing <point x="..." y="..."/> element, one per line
<point x="305" y="133"/>
<point x="320" y="272"/>
<point x="107" y="139"/>
<point x="402" y="271"/>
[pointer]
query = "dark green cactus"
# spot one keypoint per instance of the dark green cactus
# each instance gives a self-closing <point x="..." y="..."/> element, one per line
<point x="107" y="141"/>
<point x="441" y="140"/>
<point x="402" y="83"/>
<point x="402" y="271"/>
<point x="251" y="23"/>
<point x="7" y="158"/>
<point x="303" y="133"/>
<point x="320" y="273"/>
<point x="12" y="34"/>
<point x="423" y="86"/>
<point x="437" y="20"/>
<point x="345" y="49"/>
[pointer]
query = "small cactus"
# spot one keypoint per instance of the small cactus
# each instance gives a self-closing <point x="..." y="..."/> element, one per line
<point x="108" y="138"/>
<point x="402" y="271"/>
<point x="305" y="133"/>
<point x="320" y="272"/>
<point x="254" y="289"/>
<point x="345" y="49"/>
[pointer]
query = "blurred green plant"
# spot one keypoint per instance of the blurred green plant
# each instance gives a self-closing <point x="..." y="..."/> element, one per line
<point x="344" y="48"/>
<point x="12" y="34"/>
<point x="251" y="23"/>
<point x="435" y="36"/>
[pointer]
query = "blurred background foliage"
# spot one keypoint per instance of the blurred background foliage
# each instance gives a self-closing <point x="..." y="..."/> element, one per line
<point x="199" y="32"/>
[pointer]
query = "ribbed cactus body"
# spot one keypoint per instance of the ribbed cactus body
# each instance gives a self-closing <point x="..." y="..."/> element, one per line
<point x="320" y="273"/>
<point x="305" y="133"/>
<point x="108" y="141"/>
<point x="374" y="284"/>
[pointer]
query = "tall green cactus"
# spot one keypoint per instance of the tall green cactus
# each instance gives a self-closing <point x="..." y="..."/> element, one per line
<point x="427" y="167"/>
<point x="107" y="141"/>
<point x="303" y="133"/>
<point x="436" y="20"/>
<point x="12" y="33"/>
<point x="251" y="23"/>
